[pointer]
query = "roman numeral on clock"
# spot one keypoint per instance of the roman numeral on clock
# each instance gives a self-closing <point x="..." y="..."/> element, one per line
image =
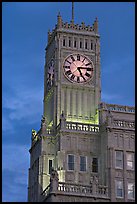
<point x="78" y="57"/>
<point x="83" y="60"/>
<point x="68" y="61"/>
<point x="87" y="74"/>
<point x="68" y="72"/>
<point x="72" y="77"/>
<point x="89" y="69"/>
<point x="78" y="79"/>
<point x="67" y="67"/>
<point x="88" y="64"/>
<point x="72" y="58"/>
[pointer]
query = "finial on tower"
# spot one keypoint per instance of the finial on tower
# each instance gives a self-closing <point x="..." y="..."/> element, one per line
<point x="59" y="22"/>
<point x="72" y="12"/>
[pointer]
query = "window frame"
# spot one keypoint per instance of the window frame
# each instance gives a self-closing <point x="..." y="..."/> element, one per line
<point x="91" y="45"/>
<point x="70" y="162"/>
<point x="128" y="190"/>
<point x="64" y="42"/>
<point x="94" y="165"/>
<point x="75" y="43"/>
<point x="86" y="44"/>
<point x="50" y="167"/>
<point x="131" y="161"/>
<point x="116" y="189"/>
<point x="85" y="164"/>
<point x="69" y="42"/>
<point x="122" y="161"/>
<point x="80" y="44"/>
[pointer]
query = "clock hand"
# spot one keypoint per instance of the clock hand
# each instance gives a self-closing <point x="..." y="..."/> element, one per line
<point x="80" y="73"/>
<point x="83" y="67"/>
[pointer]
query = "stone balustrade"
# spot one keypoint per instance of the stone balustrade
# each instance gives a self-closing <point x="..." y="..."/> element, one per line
<point x="94" y="189"/>
<point x="74" y="188"/>
<point x="82" y="127"/>
<point x="101" y="191"/>
<point x="124" y="124"/>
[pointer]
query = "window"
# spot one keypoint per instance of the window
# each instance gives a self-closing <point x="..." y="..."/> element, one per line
<point x="119" y="159"/>
<point x="69" y="42"/>
<point x="75" y="43"/>
<point x="130" y="161"/>
<point x="119" y="189"/>
<point x="70" y="162"/>
<point x="86" y="45"/>
<point x="64" y="42"/>
<point x="80" y="44"/>
<point x="82" y="163"/>
<point x="91" y="45"/>
<point x="50" y="166"/>
<point x="131" y="191"/>
<point x="95" y="165"/>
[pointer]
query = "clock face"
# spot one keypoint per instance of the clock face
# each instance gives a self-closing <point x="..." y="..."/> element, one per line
<point x="50" y="74"/>
<point x="78" y="68"/>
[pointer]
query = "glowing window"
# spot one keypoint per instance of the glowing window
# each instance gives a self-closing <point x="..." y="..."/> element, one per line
<point x="119" y="189"/>
<point x="130" y="161"/>
<point x="131" y="191"/>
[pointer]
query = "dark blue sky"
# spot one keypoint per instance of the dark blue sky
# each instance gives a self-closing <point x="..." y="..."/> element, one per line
<point x="24" y="38"/>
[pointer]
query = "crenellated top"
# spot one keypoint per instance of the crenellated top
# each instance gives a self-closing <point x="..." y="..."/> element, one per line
<point x="71" y="26"/>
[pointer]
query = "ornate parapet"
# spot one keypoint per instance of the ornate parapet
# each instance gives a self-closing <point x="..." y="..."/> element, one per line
<point x="115" y="107"/>
<point x="73" y="27"/>
<point x="124" y="124"/>
<point x="79" y="127"/>
<point x="92" y="191"/>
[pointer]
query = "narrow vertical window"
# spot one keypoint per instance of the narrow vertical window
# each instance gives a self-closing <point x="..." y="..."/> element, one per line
<point x="131" y="191"/>
<point x="50" y="166"/>
<point x="130" y="161"/>
<point x="82" y="163"/>
<point x="80" y="44"/>
<point x="91" y="45"/>
<point x="75" y="43"/>
<point x="119" y="159"/>
<point x="64" y="42"/>
<point x="86" y="44"/>
<point x="119" y="189"/>
<point x="70" y="162"/>
<point x="69" y="42"/>
<point x="95" y="165"/>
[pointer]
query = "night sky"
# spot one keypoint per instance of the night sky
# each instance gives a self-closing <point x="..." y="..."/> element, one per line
<point x="24" y="38"/>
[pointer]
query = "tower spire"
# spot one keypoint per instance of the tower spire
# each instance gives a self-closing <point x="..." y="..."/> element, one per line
<point x="72" y="12"/>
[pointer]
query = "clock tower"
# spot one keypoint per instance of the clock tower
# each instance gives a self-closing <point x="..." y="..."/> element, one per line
<point x="71" y="97"/>
<point x="77" y="153"/>
<point x="72" y="73"/>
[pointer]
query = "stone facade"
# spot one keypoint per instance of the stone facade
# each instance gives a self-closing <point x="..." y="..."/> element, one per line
<point x="84" y="150"/>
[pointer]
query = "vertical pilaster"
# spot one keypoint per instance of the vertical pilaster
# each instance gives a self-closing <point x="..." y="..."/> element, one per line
<point x="68" y="101"/>
<point x="62" y="100"/>
<point x="79" y="103"/>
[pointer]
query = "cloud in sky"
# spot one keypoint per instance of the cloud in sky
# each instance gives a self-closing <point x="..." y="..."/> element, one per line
<point x="23" y="104"/>
<point x="15" y="159"/>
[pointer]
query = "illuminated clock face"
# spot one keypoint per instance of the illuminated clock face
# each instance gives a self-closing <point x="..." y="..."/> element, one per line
<point x="78" y="68"/>
<point x="50" y="74"/>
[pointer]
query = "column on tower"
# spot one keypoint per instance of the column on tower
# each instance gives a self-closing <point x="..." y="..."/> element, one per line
<point x="79" y="103"/>
<point x="74" y="103"/>
<point x="68" y="101"/>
